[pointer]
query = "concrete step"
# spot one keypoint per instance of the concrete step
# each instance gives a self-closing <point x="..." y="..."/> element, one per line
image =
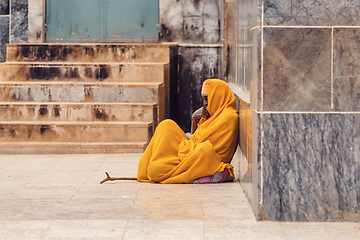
<point x="84" y="72"/>
<point x="70" y="147"/>
<point x="18" y="111"/>
<point x="69" y="131"/>
<point x="76" y="52"/>
<point x="80" y="92"/>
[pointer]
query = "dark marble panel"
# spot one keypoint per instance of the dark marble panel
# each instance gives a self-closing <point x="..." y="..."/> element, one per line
<point x="297" y="69"/>
<point x="196" y="64"/>
<point x="311" y="167"/>
<point x="19" y="21"/>
<point x="311" y="13"/>
<point x="4" y="7"/>
<point x="4" y="37"/>
<point x="346" y="69"/>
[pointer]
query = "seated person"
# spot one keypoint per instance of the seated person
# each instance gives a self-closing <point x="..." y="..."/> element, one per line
<point x="205" y="155"/>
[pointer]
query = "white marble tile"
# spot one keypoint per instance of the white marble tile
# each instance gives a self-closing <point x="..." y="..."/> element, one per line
<point x="35" y="8"/>
<point x="35" y="29"/>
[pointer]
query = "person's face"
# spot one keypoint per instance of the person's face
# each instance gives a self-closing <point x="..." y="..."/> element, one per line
<point x="205" y="100"/>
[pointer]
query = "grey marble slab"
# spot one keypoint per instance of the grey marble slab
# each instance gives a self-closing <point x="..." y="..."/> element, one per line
<point x="347" y="93"/>
<point x="4" y="7"/>
<point x="311" y="13"/>
<point x="19" y="21"/>
<point x="311" y="167"/>
<point x="193" y="29"/>
<point x="297" y="69"/>
<point x="346" y="69"/>
<point x="193" y="8"/>
<point x="171" y="20"/>
<point x="4" y="37"/>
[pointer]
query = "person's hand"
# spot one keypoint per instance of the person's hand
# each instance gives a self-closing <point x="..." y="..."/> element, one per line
<point x="201" y="112"/>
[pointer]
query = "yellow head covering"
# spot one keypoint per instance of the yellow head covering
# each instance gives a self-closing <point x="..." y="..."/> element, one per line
<point x="205" y="88"/>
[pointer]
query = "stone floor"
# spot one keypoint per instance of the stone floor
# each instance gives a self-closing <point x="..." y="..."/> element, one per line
<point x="59" y="197"/>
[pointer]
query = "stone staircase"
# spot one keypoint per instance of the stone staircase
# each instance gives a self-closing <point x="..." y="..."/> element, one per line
<point x="82" y="98"/>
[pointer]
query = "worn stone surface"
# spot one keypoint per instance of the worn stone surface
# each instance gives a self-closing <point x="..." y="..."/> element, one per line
<point x="84" y="72"/>
<point x="4" y="37"/>
<point x="75" y="131"/>
<point x="212" y="21"/>
<point x="35" y="29"/>
<point x="297" y="70"/>
<point x="311" y="13"/>
<point x="35" y="8"/>
<point x="19" y="21"/>
<point x="311" y="167"/>
<point x="193" y="29"/>
<point x="190" y="21"/>
<point x="346" y="69"/>
<point x="171" y="20"/>
<point x="88" y="53"/>
<point x="78" y="112"/>
<point x="78" y="93"/>
<point x="246" y="156"/>
<point x="4" y="7"/>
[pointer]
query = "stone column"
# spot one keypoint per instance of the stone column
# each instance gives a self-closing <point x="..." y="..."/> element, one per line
<point x="305" y="107"/>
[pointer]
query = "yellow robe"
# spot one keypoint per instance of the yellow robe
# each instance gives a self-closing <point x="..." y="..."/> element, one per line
<point x="171" y="158"/>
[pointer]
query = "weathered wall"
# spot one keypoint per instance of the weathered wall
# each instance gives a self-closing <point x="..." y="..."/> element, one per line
<point x="304" y="109"/>
<point x="195" y="27"/>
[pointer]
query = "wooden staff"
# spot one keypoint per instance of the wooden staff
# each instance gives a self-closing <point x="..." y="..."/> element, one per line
<point x="108" y="178"/>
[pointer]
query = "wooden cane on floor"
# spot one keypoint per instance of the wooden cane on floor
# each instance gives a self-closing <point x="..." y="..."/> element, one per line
<point x="108" y="178"/>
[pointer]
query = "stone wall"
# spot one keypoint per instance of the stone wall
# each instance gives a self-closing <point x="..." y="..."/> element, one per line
<point x="13" y="23"/>
<point x="194" y="29"/>
<point x="304" y="162"/>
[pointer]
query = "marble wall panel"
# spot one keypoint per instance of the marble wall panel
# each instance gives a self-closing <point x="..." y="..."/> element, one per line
<point x="35" y="8"/>
<point x="4" y="7"/>
<point x="19" y="21"/>
<point x="346" y="69"/>
<point x="248" y="68"/>
<point x="256" y="81"/>
<point x="212" y="23"/>
<point x="193" y="30"/>
<point x="190" y="21"/>
<point x="256" y="155"/>
<point x="240" y="71"/>
<point x="311" y="167"/>
<point x="211" y="30"/>
<point x="311" y="13"/>
<point x="35" y="29"/>
<point x="193" y="8"/>
<point x="171" y="20"/>
<point x="297" y="69"/>
<point x="248" y="166"/>
<point x="196" y="64"/>
<point x="4" y="37"/>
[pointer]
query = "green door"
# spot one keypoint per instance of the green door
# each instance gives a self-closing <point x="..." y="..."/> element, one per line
<point x="102" y="20"/>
